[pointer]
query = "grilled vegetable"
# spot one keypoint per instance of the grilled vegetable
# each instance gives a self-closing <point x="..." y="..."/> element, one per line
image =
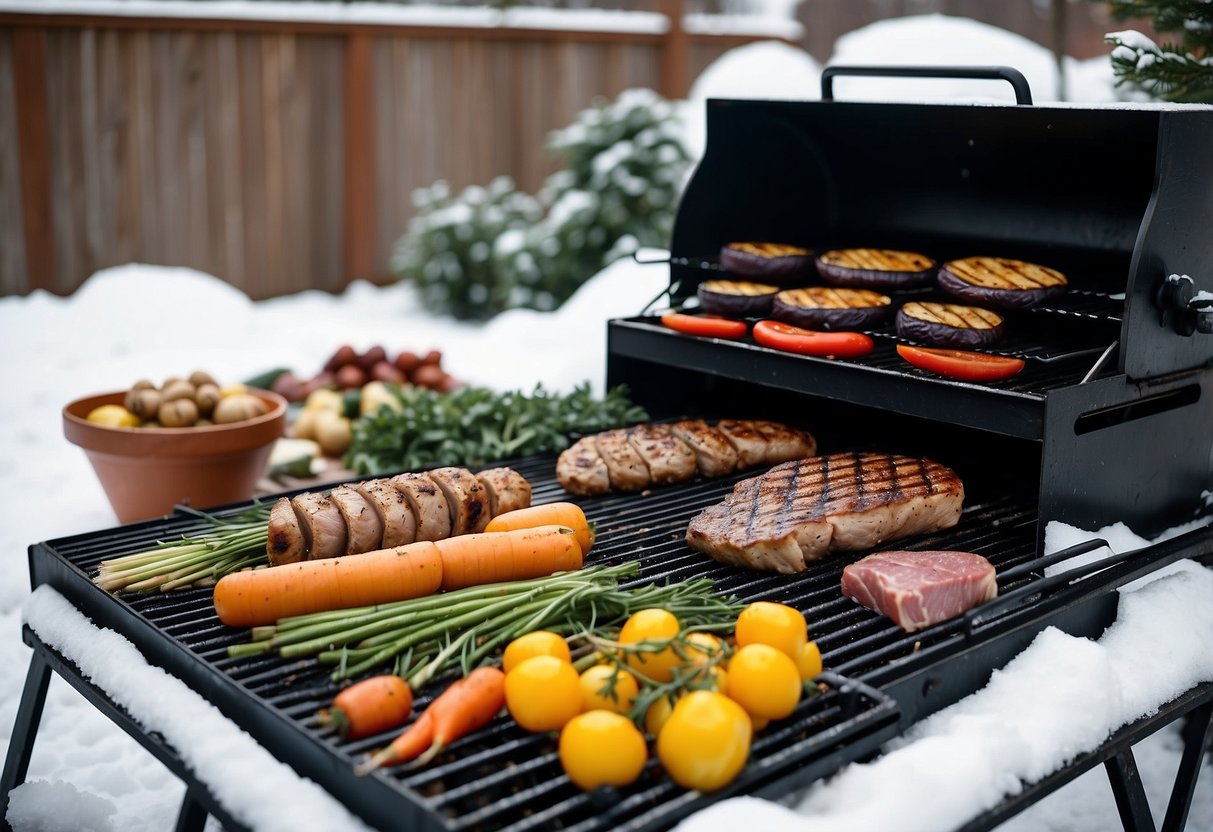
<point x="876" y="268"/>
<point x="999" y="282"/>
<point x="776" y="261"/>
<point x="949" y="324"/>
<point x="466" y="706"/>
<point x="781" y="336"/>
<point x="825" y="307"/>
<point x="565" y="514"/>
<point x="739" y="298"/>
<point x="377" y="704"/>
<point x="962" y="365"/>
<point x="709" y="326"/>
<point x="489" y="557"/>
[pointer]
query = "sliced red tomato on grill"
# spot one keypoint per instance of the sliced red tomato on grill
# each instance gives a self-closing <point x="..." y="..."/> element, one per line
<point x="781" y="336"/>
<point x="711" y="326"/>
<point x="961" y="364"/>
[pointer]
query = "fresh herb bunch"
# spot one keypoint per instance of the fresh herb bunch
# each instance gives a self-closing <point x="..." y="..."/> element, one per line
<point x="474" y="426"/>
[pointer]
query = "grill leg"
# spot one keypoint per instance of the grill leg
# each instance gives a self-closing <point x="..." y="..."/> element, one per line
<point x="21" y="745"/>
<point x="192" y="817"/>
<point x="1196" y="733"/>
<point x="1130" y="794"/>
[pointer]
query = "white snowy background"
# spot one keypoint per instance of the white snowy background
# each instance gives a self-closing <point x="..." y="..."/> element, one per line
<point x="1061" y="696"/>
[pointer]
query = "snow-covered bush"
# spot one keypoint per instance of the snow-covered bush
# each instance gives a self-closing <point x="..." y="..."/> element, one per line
<point x="486" y="251"/>
<point x="448" y="249"/>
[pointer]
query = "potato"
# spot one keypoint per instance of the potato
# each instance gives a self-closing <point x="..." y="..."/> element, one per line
<point x="428" y="375"/>
<point x="178" y="413"/>
<point x="201" y="377"/>
<point x="344" y="355"/>
<point x="144" y="402"/>
<point x="350" y="377"/>
<point x="305" y="423"/>
<point x="237" y="408"/>
<point x="179" y="389"/>
<point x="206" y="397"/>
<point x="374" y="395"/>
<point x="324" y="398"/>
<point x="334" y="433"/>
<point x="372" y="357"/>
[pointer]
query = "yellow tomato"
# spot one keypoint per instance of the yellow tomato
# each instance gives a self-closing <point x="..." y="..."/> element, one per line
<point x="543" y="693"/>
<point x="657" y="714"/>
<point x="764" y="681"/>
<point x="652" y="625"/>
<point x="778" y="625"/>
<point x="601" y="748"/>
<point x="608" y="688"/>
<point x="113" y="416"/>
<point x="705" y="742"/>
<point x="702" y="648"/>
<point x="537" y="643"/>
<point x="808" y="661"/>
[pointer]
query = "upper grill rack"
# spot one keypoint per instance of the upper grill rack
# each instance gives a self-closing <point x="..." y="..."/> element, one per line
<point x="506" y="778"/>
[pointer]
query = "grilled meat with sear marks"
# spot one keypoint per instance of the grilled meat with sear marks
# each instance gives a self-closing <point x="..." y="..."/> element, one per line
<point x="801" y="510"/>
<point x="625" y="465"/>
<point x="399" y="524"/>
<point x="669" y="459"/>
<point x="428" y="505"/>
<point x="715" y="455"/>
<point x="581" y="469"/>
<point x="507" y="490"/>
<point x="466" y="499"/>
<point x="285" y="543"/>
<point x="363" y="525"/>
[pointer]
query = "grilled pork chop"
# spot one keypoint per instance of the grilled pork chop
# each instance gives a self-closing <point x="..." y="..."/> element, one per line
<point x="507" y="490"/>
<point x="399" y="524"/>
<point x="918" y="589"/>
<point x="466" y="499"/>
<point x="581" y="470"/>
<point x="323" y="527"/>
<point x="667" y="457"/>
<point x="765" y="443"/>
<point x="801" y="510"/>
<point x="715" y="455"/>
<point x="428" y="505"/>
<point x="625" y="466"/>
<point x="363" y="525"/>
<point x="285" y="543"/>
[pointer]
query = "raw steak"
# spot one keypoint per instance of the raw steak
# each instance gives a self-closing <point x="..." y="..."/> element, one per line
<point x="918" y="589"/>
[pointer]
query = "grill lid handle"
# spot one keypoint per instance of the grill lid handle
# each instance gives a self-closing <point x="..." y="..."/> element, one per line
<point x="1023" y="93"/>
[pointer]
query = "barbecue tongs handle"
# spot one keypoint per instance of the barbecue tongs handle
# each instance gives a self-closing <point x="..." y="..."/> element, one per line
<point x="1023" y="94"/>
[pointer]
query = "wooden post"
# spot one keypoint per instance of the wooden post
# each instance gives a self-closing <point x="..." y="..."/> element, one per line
<point x="34" y="149"/>
<point x="675" y="52"/>
<point x="359" y="213"/>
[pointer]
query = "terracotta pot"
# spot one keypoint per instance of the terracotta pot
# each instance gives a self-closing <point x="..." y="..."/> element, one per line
<point x="147" y="471"/>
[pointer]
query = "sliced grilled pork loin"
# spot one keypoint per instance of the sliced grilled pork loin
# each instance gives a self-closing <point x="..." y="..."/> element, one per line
<point x="625" y="466"/>
<point x="715" y="455"/>
<point x="363" y="525"/>
<point x="918" y="589"/>
<point x="323" y="526"/>
<point x="399" y="523"/>
<point x="507" y="490"/>
<point x="581" y="470"/>
<point x="466" y="499"/>
<point x="285" y="543"/>
<point x="799" y="511"/>
<point x="759" y="442"/>
<point x="426" y="500"/>
<point x="668" y="458"/>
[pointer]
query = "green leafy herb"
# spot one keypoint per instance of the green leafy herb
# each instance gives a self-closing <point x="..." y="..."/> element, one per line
<point x="475" y="426"/>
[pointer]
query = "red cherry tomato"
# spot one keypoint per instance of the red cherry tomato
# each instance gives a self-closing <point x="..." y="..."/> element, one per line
<point x="711" y="326"/>
<point x="789" y="338"/>
<point x="959" y="364"/>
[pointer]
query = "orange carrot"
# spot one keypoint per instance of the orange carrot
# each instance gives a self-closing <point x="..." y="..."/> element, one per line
<point x="262" y="596"/>
<point x="466" y="706"/>
<point x="548" y="514"/>
<point x="490" y="557"/>
<point x="368" y="707"/>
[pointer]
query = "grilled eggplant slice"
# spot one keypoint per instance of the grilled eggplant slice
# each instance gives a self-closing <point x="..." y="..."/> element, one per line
<point x="876" y="268"/>
<point x="999" y="282"/>
<point x="830" y="308"/>
<point x="736" y="298"/>
<point x="772" y="261"/>
<point x="949" y="324"/>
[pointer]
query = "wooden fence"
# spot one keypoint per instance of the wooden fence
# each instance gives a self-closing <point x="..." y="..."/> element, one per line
<point x="279" y="156"/>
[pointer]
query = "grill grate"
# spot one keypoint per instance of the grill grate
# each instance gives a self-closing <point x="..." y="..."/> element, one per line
<point x="504" y="777"/>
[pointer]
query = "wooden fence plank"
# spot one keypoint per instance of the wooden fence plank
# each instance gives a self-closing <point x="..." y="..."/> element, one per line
<point x="14" y="278"/>
<point x="33" y="138"/>
<point x="359" y="154"/>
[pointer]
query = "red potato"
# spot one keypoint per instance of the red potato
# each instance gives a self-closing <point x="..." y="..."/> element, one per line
<point x="406" y="362"/>
<point x="371" y="357"/>
<point x="344" y="355"/>
<point x="350" y="377"/>
<point x="383" y="371"/>
<point x="428" y="375"/>
<point x="432" y="357"/>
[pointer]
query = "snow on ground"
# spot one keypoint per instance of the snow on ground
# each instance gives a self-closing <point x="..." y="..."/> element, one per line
<point x="88" y="775"/>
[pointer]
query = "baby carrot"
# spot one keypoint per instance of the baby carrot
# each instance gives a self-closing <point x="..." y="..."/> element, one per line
<point x="548" y="514"/>
<point x="368" y="707"/>
<point x="490" y="557"/>
<point x="466" y="706"/>
<point x="262" y="596"/>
